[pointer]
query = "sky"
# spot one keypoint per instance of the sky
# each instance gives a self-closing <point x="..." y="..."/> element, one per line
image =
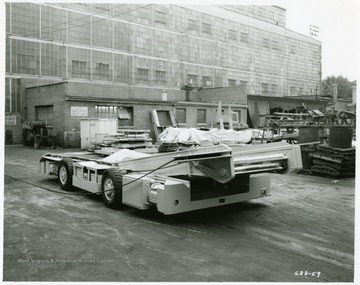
<point x="339" y="30"/>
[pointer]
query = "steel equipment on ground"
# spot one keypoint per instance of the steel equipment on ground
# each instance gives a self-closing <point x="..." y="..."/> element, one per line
<point x="175" y="182"/>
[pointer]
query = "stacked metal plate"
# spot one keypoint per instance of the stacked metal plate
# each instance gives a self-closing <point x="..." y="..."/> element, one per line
<point x="335" y="162"/>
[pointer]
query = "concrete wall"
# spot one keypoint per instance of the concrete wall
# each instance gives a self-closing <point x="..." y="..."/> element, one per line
<point x="121" y="91"/>
<point x="231" y="94"/>
<point x="64" y="96"/>
<point x="49" y="92"/>
<point x="13" y="129"/>
<point x="13" y="133"/>
<point x="48" y="95"/>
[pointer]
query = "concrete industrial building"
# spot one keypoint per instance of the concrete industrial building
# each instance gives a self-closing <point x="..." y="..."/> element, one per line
<point x="152" y="53"/>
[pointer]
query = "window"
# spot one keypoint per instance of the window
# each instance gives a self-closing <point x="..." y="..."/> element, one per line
<point x="265" y="43"/>
<point x="206" y="28"/>
<point x="7" y="95"/>
<point x="301" y="90"/>
<point x="243" y="84"/>
<point x="79" y="28"/>
<point x="160" y="77"/>
<point x="102" y="71"/>
<point x="292" y="49"/>
<point x="12" y="95"/>
<point x="181" y="115"/>
<point x="53" y="24"/>
<point x="232" y="82"/>
<point x="238" y="114"/>
<point x="192" y="79"/>
<point x="274" y="45"/>
<point x="45" y="114"/>
<point x="143" y="75"/>
<point x="25" y="19"/>
<point x="264" y="89"/>
<point x="123" y="114"/>
<point x="27" y="61"/>
<point x="25" y="57"/>
<point x="192" y="25"/>
<point x="109" y="112"/>
<point x="102" y="33"/>
<point x="201" y="116"/>
<point x="53" y="60"/>
<point x="141" y="13"/>
<point x="102" y="9"/>
<point x="244" y="37"/>
<point x="292" y="91"/>
<point x="78" y="68"/>
<point x="160" y="18"/>
<point x="164" y="117"/>
<point x="232" y="35"/>
<point x="274" y="89"/>
<point x="206" y="81"/>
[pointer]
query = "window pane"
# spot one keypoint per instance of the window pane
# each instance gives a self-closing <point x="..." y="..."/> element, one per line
<point x="181" y="115"/>
<point x="25" y="57"/>
<point x="79" y="28"/>
<point x="102" y="33"/>
<point x="232" y="82"/>
<point x="122" y="68"/>
<point x="206" y="28"/>
<point x="142" y="75"/>
<point x="53" y="60"/>
<point x="53" y="23"/>
<point x="25" y="19"/>
<point x="79" y="63"/>
<point x="201" y="116"/>
<point x="102" y="66"/>
<point x="160" y="77"/>
<point x="206" y="81"/>
<point x="7" y="95"/>
<point x="45" y="114"/>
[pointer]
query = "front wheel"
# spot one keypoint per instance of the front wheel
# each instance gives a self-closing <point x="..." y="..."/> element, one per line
<point x="111" y="188"/>
<point x="65" y="173"/>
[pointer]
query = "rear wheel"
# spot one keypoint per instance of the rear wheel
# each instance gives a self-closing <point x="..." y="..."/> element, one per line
<point x="111" y="188"/>
<point x="65" y="173"/>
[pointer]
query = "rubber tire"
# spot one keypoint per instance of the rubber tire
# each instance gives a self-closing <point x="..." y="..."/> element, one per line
<point x="69" y="166"/>
<point x="116" y="176"/>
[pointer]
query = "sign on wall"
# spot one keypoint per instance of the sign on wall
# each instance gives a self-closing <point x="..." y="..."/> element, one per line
<point x="10" y="120"/>
<point x="77" y="111"/>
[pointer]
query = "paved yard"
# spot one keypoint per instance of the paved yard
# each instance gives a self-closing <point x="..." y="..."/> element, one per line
<point x="304" y="232"/>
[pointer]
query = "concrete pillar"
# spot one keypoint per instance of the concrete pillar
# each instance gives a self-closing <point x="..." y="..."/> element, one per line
<point x="335" y="93"/>
<point x="353" y="94"/>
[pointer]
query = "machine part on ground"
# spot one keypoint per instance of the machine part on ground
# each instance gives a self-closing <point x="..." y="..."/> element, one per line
<point x="32" y="129"/>
<point x="340" y="137"/>
<point x="176" y="182"/>
<point x="334" y="162"/>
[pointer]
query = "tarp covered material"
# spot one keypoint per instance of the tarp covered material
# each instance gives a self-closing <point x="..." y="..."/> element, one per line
<point x="124" y="154"/>
<point x="199" y="137"/>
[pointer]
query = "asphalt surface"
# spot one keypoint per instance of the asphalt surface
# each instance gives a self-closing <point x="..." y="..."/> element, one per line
<point x="304" y="232"/>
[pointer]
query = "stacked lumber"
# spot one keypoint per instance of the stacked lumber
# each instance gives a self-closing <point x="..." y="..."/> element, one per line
<point x="335" y="162"/>
<point x="128" y="139"/>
